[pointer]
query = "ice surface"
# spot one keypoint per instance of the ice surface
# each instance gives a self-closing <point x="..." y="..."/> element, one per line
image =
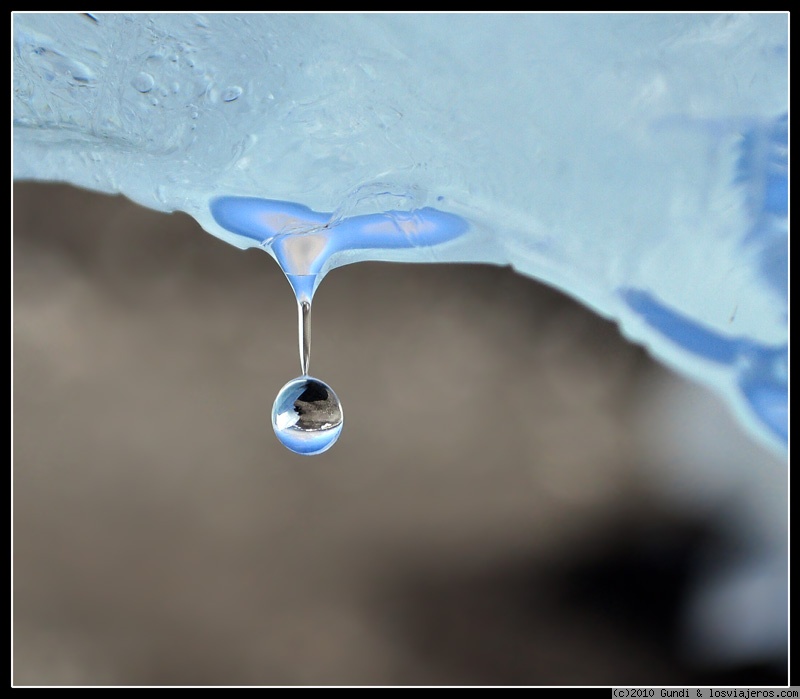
<point x="637" y="162"/>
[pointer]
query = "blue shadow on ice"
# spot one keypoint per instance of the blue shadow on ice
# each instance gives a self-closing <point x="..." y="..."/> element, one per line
<point x="762" y="172"/>
<point x="762" y="369"/>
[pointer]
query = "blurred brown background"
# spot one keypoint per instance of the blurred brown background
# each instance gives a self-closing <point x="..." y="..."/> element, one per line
<point x="482" y="519"/>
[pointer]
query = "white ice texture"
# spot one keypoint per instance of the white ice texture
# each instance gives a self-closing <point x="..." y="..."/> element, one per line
<point x="636" y="162"/>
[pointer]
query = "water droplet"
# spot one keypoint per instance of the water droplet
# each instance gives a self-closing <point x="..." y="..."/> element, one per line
<point x="307" y="416"/>
<point x="143" y="82"/>
<point x="231" y="94"/>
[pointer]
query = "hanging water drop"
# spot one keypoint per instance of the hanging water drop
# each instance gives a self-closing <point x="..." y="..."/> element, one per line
<point x="307" y="416"/>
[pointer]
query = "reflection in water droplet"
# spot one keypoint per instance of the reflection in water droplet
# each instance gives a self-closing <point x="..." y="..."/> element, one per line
<point x="231" y="94"/>
<point x="307" y="416"/>
<point x="143" y="82"/>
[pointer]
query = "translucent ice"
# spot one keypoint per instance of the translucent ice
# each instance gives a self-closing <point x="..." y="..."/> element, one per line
<point x="637" y="162"/>
<point x="305" y="243"/>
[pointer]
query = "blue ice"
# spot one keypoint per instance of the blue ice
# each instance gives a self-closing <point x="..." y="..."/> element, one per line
<point x="636" y="162"/>
<point x="306" y="243"/>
